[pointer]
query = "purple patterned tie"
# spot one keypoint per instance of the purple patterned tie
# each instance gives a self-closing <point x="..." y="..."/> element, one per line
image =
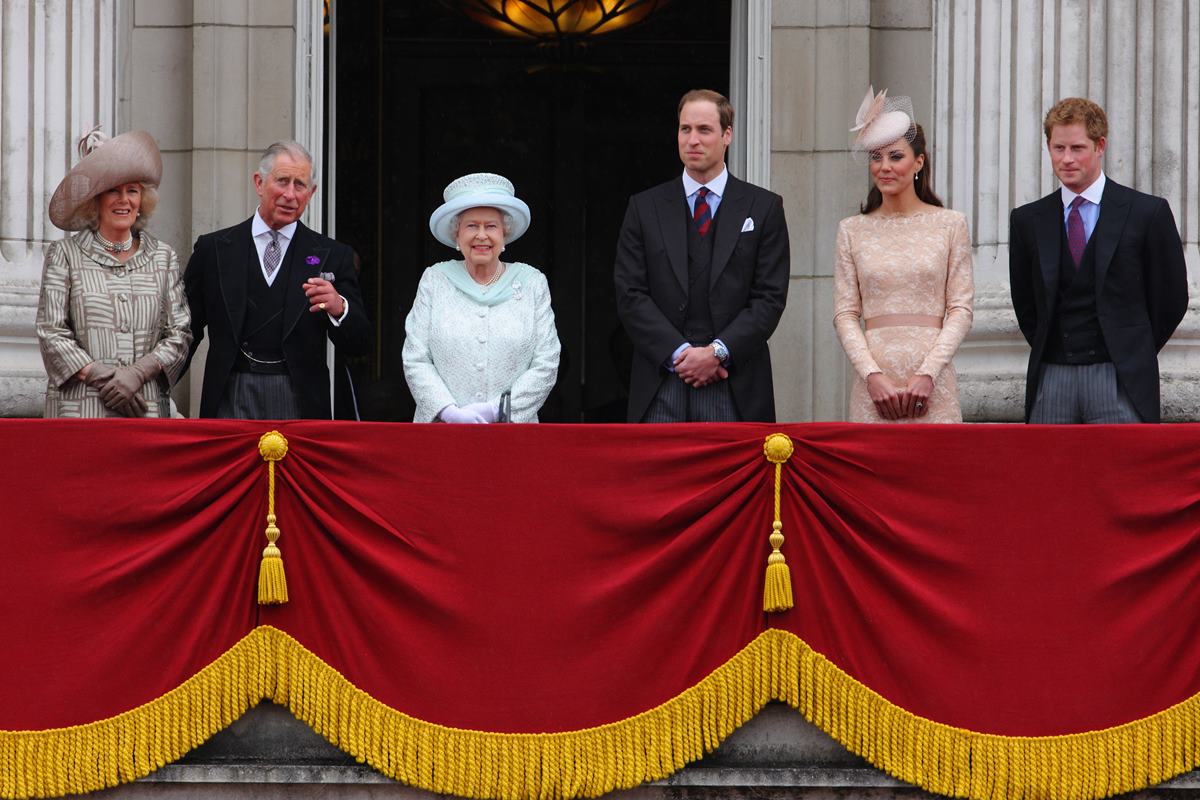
<point x="1076" y="238"/>
<point x="702" y="215"/>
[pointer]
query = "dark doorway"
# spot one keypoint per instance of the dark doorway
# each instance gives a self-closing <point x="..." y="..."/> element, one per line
<point x="425" y="94"/>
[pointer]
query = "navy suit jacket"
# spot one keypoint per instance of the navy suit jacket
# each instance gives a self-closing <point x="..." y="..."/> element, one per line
<point x="1141" y="284"/>
<point x="747" y="293"/>
<point x="215" y="285"/>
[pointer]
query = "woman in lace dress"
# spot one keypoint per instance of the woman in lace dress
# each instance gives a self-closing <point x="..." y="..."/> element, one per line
<point x="480" y="343"/>
<point x="904" y="271"/>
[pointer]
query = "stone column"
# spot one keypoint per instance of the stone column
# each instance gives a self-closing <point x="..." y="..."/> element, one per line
<point x="999" y="67"/>
<point x="58" y="77"/>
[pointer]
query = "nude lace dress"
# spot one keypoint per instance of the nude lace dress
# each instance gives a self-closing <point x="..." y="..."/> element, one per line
<point x="913" y="264"/>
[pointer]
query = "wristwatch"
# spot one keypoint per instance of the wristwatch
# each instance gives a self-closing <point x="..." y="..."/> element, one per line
<point x="720" y="351"/>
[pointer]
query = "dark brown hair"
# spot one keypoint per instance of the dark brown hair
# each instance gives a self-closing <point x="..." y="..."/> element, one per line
<point x="724" y="107"/>
<point x="922" y="183"/>
<point x="1074" y="110"/>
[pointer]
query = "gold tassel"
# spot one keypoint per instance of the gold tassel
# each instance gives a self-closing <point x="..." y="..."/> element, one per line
<point x="777" y="590"/>
<point x="272" y="582"/>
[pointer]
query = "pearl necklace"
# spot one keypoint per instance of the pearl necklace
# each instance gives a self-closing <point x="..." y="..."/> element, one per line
<point x="494" y="278"/>
<point x="114" y="247"/>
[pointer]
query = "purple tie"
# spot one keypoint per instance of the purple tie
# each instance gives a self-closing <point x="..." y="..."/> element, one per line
<point x="1076" y="238"/>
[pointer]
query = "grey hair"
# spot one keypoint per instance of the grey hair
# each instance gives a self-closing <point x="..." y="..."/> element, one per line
<point x="293" y="149"/>
<point x="506" y="220"/>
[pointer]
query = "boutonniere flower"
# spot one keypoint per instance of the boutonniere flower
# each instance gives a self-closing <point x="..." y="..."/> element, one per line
<point x="312" y="261"/>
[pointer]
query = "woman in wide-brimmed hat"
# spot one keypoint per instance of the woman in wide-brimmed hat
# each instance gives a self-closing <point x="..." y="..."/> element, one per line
<point x="480" y="343"/>
<point x="112" y="323"/>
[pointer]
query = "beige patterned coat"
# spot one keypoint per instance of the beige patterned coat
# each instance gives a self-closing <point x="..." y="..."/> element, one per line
<point x="93" y="308"/>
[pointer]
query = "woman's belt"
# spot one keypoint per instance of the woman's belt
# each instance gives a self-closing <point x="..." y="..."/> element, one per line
<point x="894" y="320"/>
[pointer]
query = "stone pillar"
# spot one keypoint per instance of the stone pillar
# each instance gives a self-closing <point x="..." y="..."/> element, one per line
<point x="824" y="55"/>
<point x="214" y="82"/>
<point x="1000" y="66"/>
<point x="58" y="77"/>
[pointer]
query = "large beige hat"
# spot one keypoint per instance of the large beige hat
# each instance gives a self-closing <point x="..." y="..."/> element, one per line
<point x="477" y="190"/>
<point x="103" y="164"/>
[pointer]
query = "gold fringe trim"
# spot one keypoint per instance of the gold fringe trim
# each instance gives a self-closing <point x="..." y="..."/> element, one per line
<point x="269" y="664"/>
<point x="131" y="745"/>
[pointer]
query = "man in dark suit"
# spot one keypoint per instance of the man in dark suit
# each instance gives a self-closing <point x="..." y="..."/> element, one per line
<point x="1099" y="282"/>
<point x="270" y="291"/>
<point x="702" y="276"/>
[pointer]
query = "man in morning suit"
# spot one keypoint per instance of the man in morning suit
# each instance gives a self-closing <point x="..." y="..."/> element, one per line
<point x="701" y="276"/>
<point x="1098" y="281"/>
<point x="269" y="291"/>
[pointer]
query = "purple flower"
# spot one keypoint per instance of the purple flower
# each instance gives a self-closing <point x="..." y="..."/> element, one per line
<point x="312" y="261"/>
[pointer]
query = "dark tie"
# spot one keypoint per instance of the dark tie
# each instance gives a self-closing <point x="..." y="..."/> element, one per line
<point x="1076" y="238"/>
<point x="272" y="254"/>
<point x="702" y="215"/>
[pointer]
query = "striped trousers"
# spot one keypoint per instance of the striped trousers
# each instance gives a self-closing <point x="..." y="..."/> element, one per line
<point x="675" y="401"/>
<point x="1070" y="394"/>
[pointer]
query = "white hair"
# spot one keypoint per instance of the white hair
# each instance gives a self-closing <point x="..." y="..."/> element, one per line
<point x="294" y="149"/>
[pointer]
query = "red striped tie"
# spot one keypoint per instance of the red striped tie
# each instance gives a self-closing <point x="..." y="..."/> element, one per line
<point x="701" y="215"/>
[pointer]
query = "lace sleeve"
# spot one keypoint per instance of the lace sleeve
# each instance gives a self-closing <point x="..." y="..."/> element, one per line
<point x="847" y="308"/>
<point x="960" y="293"/>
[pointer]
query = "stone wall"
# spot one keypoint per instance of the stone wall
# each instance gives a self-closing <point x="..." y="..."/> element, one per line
<point x="215" y="81"/>
<point x="824" y="55"/>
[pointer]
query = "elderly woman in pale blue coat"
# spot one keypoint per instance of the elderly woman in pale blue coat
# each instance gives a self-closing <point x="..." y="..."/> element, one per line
<point x="480" y="343"/>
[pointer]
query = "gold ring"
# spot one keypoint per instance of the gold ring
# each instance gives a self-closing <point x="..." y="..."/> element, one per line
<point x="321" y="306"/>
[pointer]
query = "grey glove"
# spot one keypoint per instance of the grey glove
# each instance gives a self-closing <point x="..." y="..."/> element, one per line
<point x="99" y="374"/>
<point x="120" y="393"/>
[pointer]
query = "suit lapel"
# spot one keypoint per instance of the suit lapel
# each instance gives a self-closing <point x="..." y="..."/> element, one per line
<point x="731" y="214"/>
<point x="1114" y="210"/>
<point x="1049" y="243"/>
<point x="671" y="207"/>
<point x="235" y="255"/>
<point x="305" y="258"/>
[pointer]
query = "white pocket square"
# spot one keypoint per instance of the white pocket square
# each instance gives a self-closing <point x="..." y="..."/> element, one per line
<point x="748" y="225"/>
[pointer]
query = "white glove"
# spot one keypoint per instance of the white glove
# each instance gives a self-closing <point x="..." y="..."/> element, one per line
<point x="453" y="413"/>
<point x="488" y="412"/>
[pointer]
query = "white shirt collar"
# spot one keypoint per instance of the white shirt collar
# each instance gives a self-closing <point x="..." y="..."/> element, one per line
<point x="260" y="228"/>
<point x="1092" y="193"/>
<point x="716" y="185"/>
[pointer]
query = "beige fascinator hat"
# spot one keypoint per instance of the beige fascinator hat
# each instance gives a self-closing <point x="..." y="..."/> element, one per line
<point x="479" y="189"/>
<point x="103" y="164"/>
<point x="882" y="120"/>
